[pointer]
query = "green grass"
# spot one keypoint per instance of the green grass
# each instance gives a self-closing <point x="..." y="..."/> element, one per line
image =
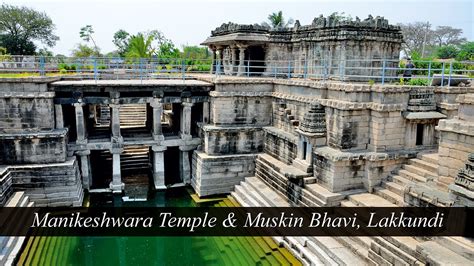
<point x="29" y="75"/>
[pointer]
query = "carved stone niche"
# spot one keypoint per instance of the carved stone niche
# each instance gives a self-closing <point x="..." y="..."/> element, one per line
<point x="312" y="133"/>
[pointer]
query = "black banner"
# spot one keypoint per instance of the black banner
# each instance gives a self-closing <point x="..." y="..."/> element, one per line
<point x="221" y="221"/>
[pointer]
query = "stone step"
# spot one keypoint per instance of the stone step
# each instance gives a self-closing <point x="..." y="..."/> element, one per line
<point x="390" y="196"/>
<point x="338" y="252"/>
<point x="359" y="246"/>
<point x="394" y="187"/>
<point x="430" y="167"/>
<point x="400" y="180"/>
<point x="348" y="203"/>
<point x="265" y="191"/>
<point x="412" y="176"/>
<point x="420" y="172"/>
<point x="370" y="200"/>
<point x="320" y="252"/>
<point x="405" y="243"/>
<point x="436" y="254"/>
<point x="393" y="253"/>
<point x="460" y="245"/>
<point x="286" y="170"/>
<point x="379" y="260"/>
<point x="430" y="158"/>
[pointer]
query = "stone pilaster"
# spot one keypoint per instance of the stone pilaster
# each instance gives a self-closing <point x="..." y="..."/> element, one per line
<point x="157" y="112"/>
<point x="159" y="167"/>
<point x="233" y="67"/>
<point x="185" y="164"/>
<point x="58" y="110"/>
<point x="85" y="168"/>
<point x="80" y="123"/>
<point x="220" y="61"/>
<point x="213" y="63"/>
<point x="186" y="121"/>
<point x="205" y="112"/>
<point x="116" y="185"/>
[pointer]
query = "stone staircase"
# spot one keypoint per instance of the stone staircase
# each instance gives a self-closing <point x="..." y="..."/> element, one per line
<point x="285" y="118"/>
<point x="419" y="177"/>
<point x="135" y="169"/>
<point x="132" y="115"/>
<point x="102" y="115"/>
<point x="10" y="246"/>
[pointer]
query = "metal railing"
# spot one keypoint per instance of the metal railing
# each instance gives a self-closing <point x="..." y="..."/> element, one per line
<point x="444" y="73"/>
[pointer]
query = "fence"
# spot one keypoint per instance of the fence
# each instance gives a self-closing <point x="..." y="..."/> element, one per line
<point x="445" y="73"/>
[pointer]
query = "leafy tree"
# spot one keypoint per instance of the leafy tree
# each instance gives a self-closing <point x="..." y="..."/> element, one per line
<point x="277" y="21"/>
<point x="140" y="46"/>
<point x="121" y="40"/>
<point x="86" y="34"/>
<point x="466" y="52"/>
<point x="418" y="36"/>
<point x="446" y="35"/>
<point x="447" y="51"/>
<point x="44" y="52"/>
<point x="82" y="50"/>
<point x="20" y="26"/>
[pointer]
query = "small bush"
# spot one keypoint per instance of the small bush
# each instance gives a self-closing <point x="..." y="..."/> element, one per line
<point x="371" y="82"/>
<point x="62" y="71"/>
<point x="418" y="82"/>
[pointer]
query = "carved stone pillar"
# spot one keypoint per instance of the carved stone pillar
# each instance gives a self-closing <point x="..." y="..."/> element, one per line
<point x="116" y="185"/>
<point x="233" y="67"/>
<point x="186" y="120"/>
<point x="157" y="112"/>
<point x="241" y="71"/>
<point x="159" y="167"/>
<point x="85" y="169"/>
<point x="220" y="61"/>
<point x="213" y="63"/>
<point x="58" y="110"/>
<point x="80" y="123"/>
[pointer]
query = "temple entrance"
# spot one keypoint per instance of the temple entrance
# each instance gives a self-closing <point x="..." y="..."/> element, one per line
<point x="101" y="169"/>
<point x="419" y="134"/>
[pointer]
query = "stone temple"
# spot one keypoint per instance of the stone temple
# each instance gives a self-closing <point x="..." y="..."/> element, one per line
<point x="266" y="140"/>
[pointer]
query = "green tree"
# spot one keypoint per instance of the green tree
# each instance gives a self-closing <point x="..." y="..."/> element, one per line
<point x="82" y="50"/>
<point x="86" y="34"/>
<point x="277" y="21"/>
<point x="466" y="52"/>
<point x="121" y="41"/>
<point x="20" y="26"/>
<point x="447" y="51"/>
<point x="140" y="46"/>
<point x="44" y="52"/>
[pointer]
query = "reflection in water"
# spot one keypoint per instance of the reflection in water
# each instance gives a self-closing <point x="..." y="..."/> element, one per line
<point x="154" y="250"/>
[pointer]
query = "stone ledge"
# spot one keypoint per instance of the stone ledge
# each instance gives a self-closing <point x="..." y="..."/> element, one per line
<point x="55" y="133"/>
<point x="337" y="155"/>
<point x="12" y="94"/>
<point x="227" y="127"/>
<point x="239" y="94"/>
<point x="281" y="134"/>
<point x="456" y="126"/>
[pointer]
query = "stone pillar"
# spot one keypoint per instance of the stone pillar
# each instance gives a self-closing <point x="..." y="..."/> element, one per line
<point x="58" y="110"/>
<point x="115" y="120"/>
<point x="157" y="112"/>
<point x="233" y="67"/>
<point x="300" y="149"/>
<point x="159" y="167"/>
<point x="220" y="61"/>
<point x="184" y="164"/>
<point x="213" y="63"/>
<point x="241" y="71"/>
<point x="205" y="112"/>
<point x="80" y="123"/>
<point x="186" y="120"/>
<point x="116" y="185"/>
<point x="85" y="169"/>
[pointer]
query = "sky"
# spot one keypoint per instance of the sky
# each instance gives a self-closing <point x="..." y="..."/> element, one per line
<point x="190" y="22"/>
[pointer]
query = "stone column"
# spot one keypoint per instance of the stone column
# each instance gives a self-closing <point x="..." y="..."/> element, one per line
<point x="213" y="63"/>
<point x="233" y="67"/>
<point x="58" y="110"/>
<point x="159" y="167"/>
<point x="85" y="169"/>
<point x="184" y="164"/>
<point x="116" y="185"/>
<point x="157" y="112"/>
<point x="205" y="112"/>
<point x="186" y="120"/>
<point x="220" y="61"/>
<point x="300" y="149"/>
<point x="115" y="120"/>
<point x="80" y="123"/>
<point x="241" y="71"/>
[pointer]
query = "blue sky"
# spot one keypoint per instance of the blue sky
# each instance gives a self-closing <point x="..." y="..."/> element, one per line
<point x="190" y="22"/>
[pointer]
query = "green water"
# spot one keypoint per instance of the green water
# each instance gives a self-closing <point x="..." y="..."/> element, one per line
<point x="154" y="250"/>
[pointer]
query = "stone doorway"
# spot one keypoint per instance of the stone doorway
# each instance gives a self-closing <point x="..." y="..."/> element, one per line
<point x="172" y="166"/>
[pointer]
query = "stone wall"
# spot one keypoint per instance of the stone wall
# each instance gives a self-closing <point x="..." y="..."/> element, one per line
<point x="232" y="140"/>
<point x="49" y="185"/>
<point x="219" y="174"/>
<point x="41" y="147"/>
<point x="279" y="145"/>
